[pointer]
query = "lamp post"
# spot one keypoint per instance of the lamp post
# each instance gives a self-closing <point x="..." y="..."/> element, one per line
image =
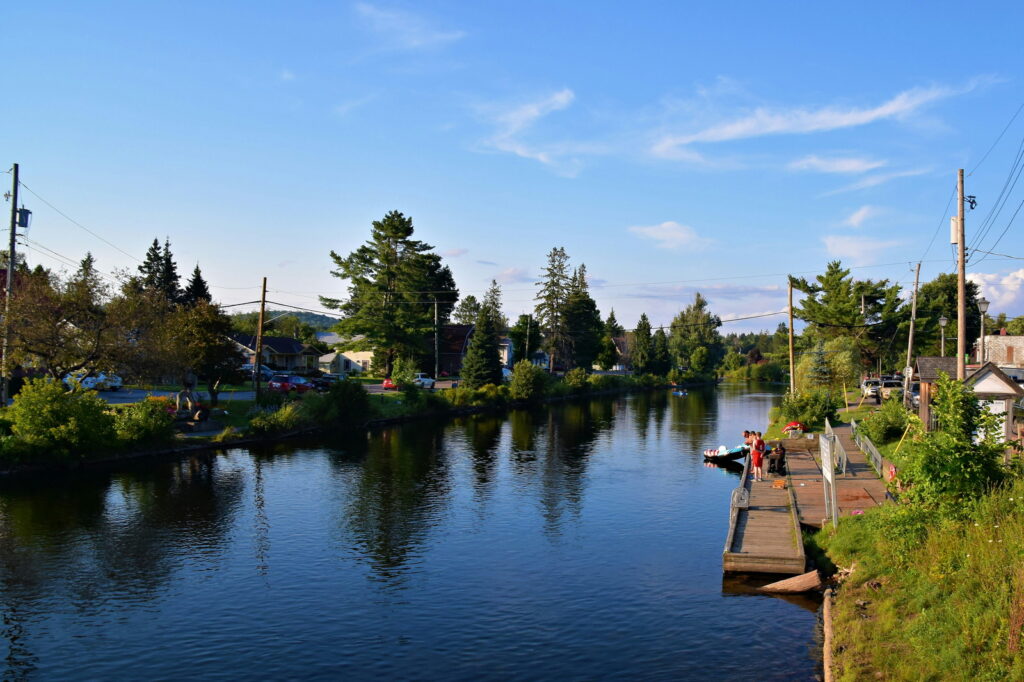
<point x="943" y="321"/>
<point x="983" y="308"/>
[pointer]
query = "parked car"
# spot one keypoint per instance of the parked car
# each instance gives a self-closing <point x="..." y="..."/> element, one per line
<point x="915" y="394"/>
<point x="388" y="384"/>
<point x="289" y="383"/>
<point x="869" y="388"/>
<point x="325" y="381"/>
<point x="110" y="381"/>
<point x="79" y="378"/>
<point x="891" y="389"/>
<point x="423" y="380"/>
<point x="506" y="374"/>
<point x="265" y="372"/>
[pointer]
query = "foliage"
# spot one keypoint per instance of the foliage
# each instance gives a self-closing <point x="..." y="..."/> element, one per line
<point x="608" y="355"/>
<point x="270" y="400"/>
<point x="488" y="395"/>
<point x="528" y="381"/>
<point x="197" y="290"/>
<point x="492" y="303"/>
<point x="482" y="364"/>
<point x="576" y="380"/>
<point x="344" y="405"/>
<point x="385" y="276"/>
<point x="403" y="372"/>
<point x="732" y="361"/>
<point x="583" y="321"/>
<point x="286" y="418"/>
<point x="811" y="408"/>
<point x="936" y="299"/>
<point x="550" y="309"/>
<point x="159" y="272"/>
<point x="661" y="361"/>
<point x="887" y="423"/>
<point x="59" y="424"/>
<point x="525" y="336"/>
<point x="611" y="325"/>
<point x="640" y="348"/>
<point x="200" y="344"/>
<point x="144" y="422"/>
<point x="467" y="310"/>
<point x="693" y="328"/>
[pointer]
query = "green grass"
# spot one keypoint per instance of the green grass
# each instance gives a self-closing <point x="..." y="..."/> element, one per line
<point x="931" y="598"/>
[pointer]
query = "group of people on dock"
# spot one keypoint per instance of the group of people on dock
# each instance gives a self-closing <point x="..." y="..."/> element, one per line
<point x="776" y="454"/>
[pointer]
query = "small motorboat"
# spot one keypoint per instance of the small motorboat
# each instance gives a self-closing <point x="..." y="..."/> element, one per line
<point x="679" y="393"/>
<point x="723" y="454"/>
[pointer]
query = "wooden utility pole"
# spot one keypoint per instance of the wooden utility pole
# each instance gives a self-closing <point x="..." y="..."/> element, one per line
<point x="257" y="365"/>
<point x="792" y="368"/>
<point x="961" y="282"/>
<point x="909" y="371"/>
<point x="437" y="345"/>
<point x="5" y="381"/>
<point x="526" y="350"/>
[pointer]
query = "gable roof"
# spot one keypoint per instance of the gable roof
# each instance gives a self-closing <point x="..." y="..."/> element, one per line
<point x="990" y="370"/>
<point x="930" y="366"/>
<point x="282" y="345"/>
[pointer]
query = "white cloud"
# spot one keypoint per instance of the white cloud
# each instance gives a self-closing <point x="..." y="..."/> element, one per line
<point x="835" y="165"/>
<point x="857" y="250"/>
<point x="347" y="106"/>
<point x="858" y="217"/>
<point x="515" y="121"/>
<point x="671" y="235"/>
<point x="876" y="180"/>
<point x="514" y="275"/>
<point x="404" y="30"/>
<point x="1004" y="290"/>
<point x="764" y="121"/>
<point x="286" y="75"/>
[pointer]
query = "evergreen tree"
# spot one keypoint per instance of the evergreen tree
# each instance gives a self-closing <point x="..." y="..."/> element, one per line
<point x="583" y="321"/>
<point x="159" y="272"/>
<point x="641" y="350"/>
<point x="387" y="277"/>
<point x="170" y="282"/>
<point x="661" y="361"/>
<point x="467" y="310"/>
<point x="525" y="336"/>
<point x="611" y="325"/>
<point x="197" y="290"/>
<point x="492" y="301"/>
<point x="550" y="310"/>
<point x="152" y="266"/>
<point x="696" y="327"/>
<point x="482" y="364"/>
<point x="608" y="356"/>
<point x="821" y="373"/>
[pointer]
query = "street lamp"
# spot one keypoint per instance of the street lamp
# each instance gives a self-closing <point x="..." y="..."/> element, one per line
<point x="943" y="321"/>
<point x="983" y="308"/>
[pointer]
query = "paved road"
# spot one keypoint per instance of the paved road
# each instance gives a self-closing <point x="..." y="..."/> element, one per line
<point x="134" y="395"/>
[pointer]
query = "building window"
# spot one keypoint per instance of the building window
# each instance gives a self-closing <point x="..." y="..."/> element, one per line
<point x="348" y="364"/>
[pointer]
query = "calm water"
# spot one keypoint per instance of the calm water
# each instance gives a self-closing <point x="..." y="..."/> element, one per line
<point x="580" y="542"/>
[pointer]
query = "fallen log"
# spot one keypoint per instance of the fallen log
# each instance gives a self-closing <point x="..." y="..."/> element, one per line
<point x="802" y="583"/>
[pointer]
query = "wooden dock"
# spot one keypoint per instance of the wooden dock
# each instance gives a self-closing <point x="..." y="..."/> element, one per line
<point x="765" y="522"/>
<point x="764" y="532"/>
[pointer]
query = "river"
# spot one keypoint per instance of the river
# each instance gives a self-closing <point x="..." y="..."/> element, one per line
<point x="580" y="541"/>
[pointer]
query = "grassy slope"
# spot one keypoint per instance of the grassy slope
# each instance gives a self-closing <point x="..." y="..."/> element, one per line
<point x="931" y="599"/>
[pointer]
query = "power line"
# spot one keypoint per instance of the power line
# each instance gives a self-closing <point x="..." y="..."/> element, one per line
<point x="1007" y="127"/>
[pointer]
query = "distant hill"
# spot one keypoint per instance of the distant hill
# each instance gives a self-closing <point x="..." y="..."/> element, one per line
<point x="317" y="321"/>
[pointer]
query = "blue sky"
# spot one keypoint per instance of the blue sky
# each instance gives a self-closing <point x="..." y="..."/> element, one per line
<point x="671" y="148"/>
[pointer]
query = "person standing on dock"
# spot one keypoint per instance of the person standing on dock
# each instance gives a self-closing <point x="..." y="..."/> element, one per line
<point x="757" y="455"/>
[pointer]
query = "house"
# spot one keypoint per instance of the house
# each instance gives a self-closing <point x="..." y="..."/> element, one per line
<point x="454" y="342"/>
<point x="1004" y="350"/>
<point x="991" y="384"/>
<point x="343" y="361"/>
<point x="279" y="352"/>
<point x="621" y="355"/>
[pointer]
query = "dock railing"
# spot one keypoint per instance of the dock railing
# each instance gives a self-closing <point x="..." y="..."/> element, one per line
<point x="838" y="451"/>
<point x="740" y="500"/>
<point x="865" y="444"/>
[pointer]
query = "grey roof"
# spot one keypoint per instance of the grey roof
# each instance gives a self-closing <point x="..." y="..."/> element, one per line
<point x="283" y="345"/>
<point x="929" y="368"/>
<point x="977" y="375"/>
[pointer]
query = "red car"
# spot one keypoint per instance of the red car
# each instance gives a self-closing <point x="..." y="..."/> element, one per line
<point x="388" y="385"/>
<point x="284" y="383"/>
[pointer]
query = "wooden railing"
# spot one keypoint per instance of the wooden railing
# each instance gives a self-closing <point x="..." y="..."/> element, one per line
<point x="839" y="452"/>
<point x="869" y="449"/>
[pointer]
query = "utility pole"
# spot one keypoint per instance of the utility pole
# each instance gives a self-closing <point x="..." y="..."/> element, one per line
<point x="257" y="365"/>
<point x="5" y="381"/>
<point x="526" y="351"/>
<point x="909" y="371"/>
<point x="961" y="282"/>
<point x="437" y="346"/>
<point x="792" y="369"/>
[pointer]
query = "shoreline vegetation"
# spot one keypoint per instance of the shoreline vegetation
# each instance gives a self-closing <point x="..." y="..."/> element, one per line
<point x="48" y="429"/>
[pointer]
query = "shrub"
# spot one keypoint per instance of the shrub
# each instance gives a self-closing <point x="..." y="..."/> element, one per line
<point x="605" y="382"/>
<point x="528" y="381"/>
<point x="269" y="399"/>
<point x="887" y="423"/>
<point x="486" y="396"/>
<point x="288" y="418"/>
<point x="576" y="380"/>
<point x="345" y="405"/>
<point x="811" y="408"/>
<point x="62" y="424"/>
<point x="229" y="434"/>
<point x="144" y="422"/>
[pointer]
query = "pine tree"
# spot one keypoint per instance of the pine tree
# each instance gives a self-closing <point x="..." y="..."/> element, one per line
<point x="482" y="364"/>
<point x="641" y="351"/>
<point x="152" y="266"/>
<point x="525" y="336"/>
<point x="821" y="373"/>
<point x="492" y="301"/>
<point x="197" y="290"/>
<point x="611" y="325"/>
<point x="696" y="327"/>
<point x="550" y="310"/>
<point x="467" y="310"/>
<point x="170" y="282"/>
<point x="583" y="321"/>
<point x="661" y="361"/>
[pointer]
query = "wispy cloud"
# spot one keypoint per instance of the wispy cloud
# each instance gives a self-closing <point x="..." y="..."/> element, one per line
<point x="764" y="121"/>
<point x="512" y="125"/>
<point x="514" y="275"/>
<point x="835" y="165"/>
<point x="671" y="235"/>
<point x="402" y="30"/>
<point x="454" y="253"/>
<point x="345" y="107"/>
<point x="876" y="180"/>
<point x="857" y="250"/>
<point x="862" y="214"/>
<point x="1004" y="290"/>
<point x="286" y="75"/>
<point x="487" y="262"/>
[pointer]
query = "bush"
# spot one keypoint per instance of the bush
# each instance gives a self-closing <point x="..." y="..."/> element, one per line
<point x="811" y="408"/>
<point x="887" y="423"/>
<point x="345" y="405"/>
<point x="52" y="422"/>
<point x="528" y="381"/>
<point x="143" y="423"/>
<point x="576" y="380"/>
<point x="487" y="395"/>
<point x="605" y="382"/>
<point x="270" y="399"/>
<point x="288" y="418"/>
